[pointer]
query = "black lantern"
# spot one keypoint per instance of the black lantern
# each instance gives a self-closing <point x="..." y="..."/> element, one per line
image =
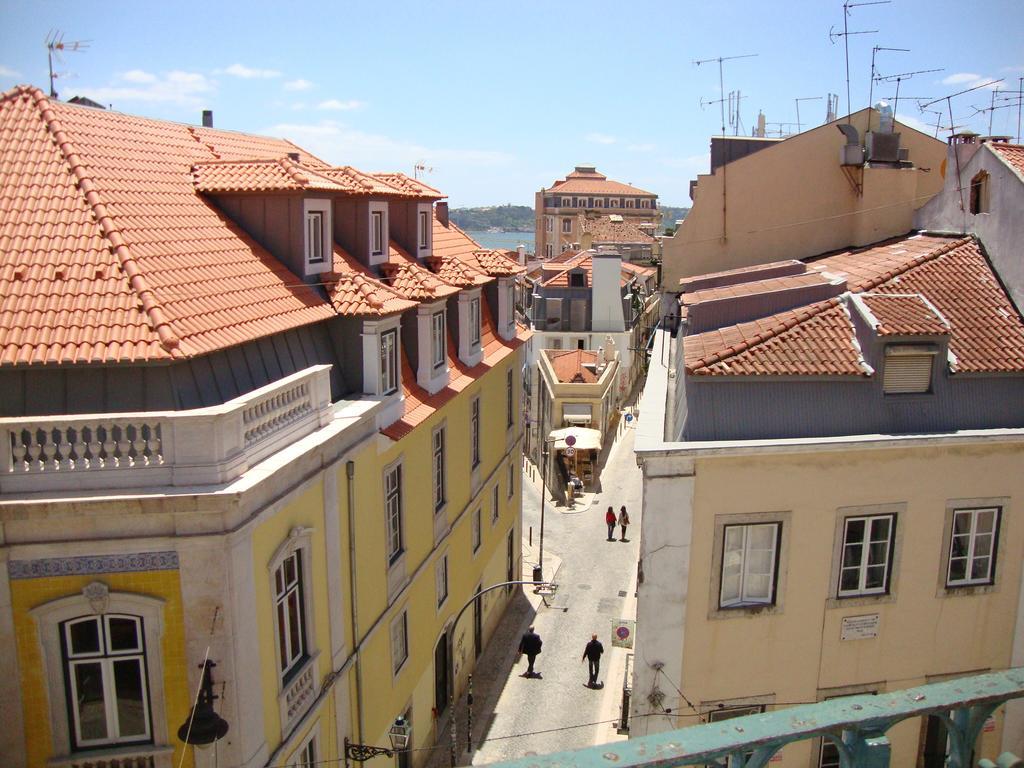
<point x="204" y="726"/>
<point x="398" y="736"/>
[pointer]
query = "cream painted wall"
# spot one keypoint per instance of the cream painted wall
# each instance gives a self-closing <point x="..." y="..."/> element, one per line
<point x="793" y="200"/>
<point x="792" y="651"/>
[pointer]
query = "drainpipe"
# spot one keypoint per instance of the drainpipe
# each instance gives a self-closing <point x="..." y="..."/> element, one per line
<point x="350" y="473"/>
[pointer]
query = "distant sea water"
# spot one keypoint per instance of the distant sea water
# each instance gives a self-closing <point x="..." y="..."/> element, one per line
<point x="503" y="240"/>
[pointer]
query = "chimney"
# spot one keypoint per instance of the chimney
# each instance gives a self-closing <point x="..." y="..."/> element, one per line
<point x="207" y="118"/>
<point x="441" y="212"/>
<point x="606" y="294"/>
<point x="293" y="156"/>
<point x="760" y="132"/>
<point x="521" y="250"/>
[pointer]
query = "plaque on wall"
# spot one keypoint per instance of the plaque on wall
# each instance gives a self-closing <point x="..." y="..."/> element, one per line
<point x="860" y="627"/>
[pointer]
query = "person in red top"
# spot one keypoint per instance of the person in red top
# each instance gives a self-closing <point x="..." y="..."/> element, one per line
<point x="610" y="520"/>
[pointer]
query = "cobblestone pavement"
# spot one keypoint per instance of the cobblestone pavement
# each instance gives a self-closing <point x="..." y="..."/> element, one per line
<point x="596" y="583"/>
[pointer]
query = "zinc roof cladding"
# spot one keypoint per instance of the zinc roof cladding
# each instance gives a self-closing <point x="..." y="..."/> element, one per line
<point x="280" y="175"/>
<point x="109" y="255"/>
<point x="355" y="293"/>
<point x="1011" y="154"/>
<point x="986" y="332"/>
<point x="904" y="315"/>
<point x="412" y="280"/>
<point x="409" y="187"/>
<point x="605" y="230"/>
<point x="568" y="365"/>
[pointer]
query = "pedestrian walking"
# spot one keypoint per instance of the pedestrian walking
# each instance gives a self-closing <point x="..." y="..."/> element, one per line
<point x="623" y="521"/>
<point x="609" y="519"/>
<point x="530" y="645"/>
<point x="592" y="653"/>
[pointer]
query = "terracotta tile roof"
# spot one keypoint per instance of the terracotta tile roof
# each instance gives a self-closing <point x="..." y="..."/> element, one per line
<point x="354" y="292"/>
<point x="280" y="175"/>
<point x="904" y="315"/>
<point x="232" y="145"/>
<point x="1011" y="154"/>
<point x="556" y="274"/>
<point x="568" y="365"/>
<point x="742" y="274"/>
<point x="594" y="183"/>
<point x="605" y="230"/>
<point x="755" y="287"/>
<point x="109" y="255"/>
<point x="411" y="279"/>
<point x="455" y="271"/>
<point x="420" y="405"/>
<point x="951" y="274"/>
<point x="452" y="242"/>
<point x="409" y="187"/>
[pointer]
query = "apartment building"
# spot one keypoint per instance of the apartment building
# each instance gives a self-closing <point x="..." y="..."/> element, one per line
<point x="227" y="370"/>
<point x="587" y="204"/>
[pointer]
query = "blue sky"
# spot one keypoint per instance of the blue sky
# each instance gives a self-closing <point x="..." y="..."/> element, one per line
<point x="500" y="99"/>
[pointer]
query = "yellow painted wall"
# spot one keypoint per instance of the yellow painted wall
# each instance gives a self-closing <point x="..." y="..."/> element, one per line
<point x="306" y="510"/>
<point x="27" y="594"/>
<point x="792" y="201"/>
<point x="794" y="650"/>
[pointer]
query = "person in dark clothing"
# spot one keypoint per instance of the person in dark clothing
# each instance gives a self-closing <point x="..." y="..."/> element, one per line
<point x="592" y="653"/>
<point x="610" y="520"/>
<point x="530" y="645"/>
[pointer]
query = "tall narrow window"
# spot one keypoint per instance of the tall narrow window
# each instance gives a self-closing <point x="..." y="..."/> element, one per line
<point x="748" y="565"/>
<point x="509" y="399"/>
<point x="511" y="479"/>
<point x="972" y="547"/>
<point x="306" y="756"/>
<point x="567" y="226"/>
<point x="389" y="362"/>
<point x="315" y="237"/>
<point x="979" y="193"/>
<point x="441" y="579"/>
<point x="549" y="224"/>
<point x="867" y="550"/>
<point x="439" y="469"/>
<point x="475" y="533"/>
<point x="399" y="641"/>
<point x="474" y="322"/>
<point x="437" y="339"/>
<point x="495" y="509"/>
<point x="105" y="674"/>
<point x="377" y="232"/>
<point x="474" y="432"/>
<point x="393" y="508"/>
<point x="291" y="624"/>
<point x="424" y="229"/>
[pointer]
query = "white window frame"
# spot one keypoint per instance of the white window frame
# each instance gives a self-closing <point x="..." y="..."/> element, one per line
<point x="628" y="203"/>
<point x="549" y="223"/>
<point x="307" y="755"/>
<point x="289" y="600"/>
<point x="474" y="432"/>
<point x="317" y="209"/>
<point x="613" y="202"/>
<point x="377" y="240"/>
<point x="476" y="531"/>
<point x="389" y="353"/>
<point x="48" y="619"/>
<point x="393" y="512"/>
<point x="474" y="322"/>
<point x="973" y="538"/>
<point x="439" y="468"/>
<point x="438" y="339"/>
<point x="566" y="226"/>
<point x="745" y="531"/>
<point x="566" y="202"/>
<point x="424" y="229"/>
<point x="863" y="561"/>
<point x="441" y="579"/>
<point x="299" y="540"/>
<point x="549" y="251"/>
<point x="399" y="642"/>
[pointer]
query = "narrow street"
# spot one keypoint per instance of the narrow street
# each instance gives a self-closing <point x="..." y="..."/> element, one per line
<point x="596" y="583"/>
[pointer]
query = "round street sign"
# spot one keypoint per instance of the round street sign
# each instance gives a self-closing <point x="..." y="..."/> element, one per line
<point x="629" y="417"/>
<point x="622" y="632"/>
<point x="570" y="440"/>
<point x="569" y="452"/>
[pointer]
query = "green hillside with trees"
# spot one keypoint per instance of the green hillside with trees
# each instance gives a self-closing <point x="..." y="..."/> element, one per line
<point x="507" y="218"/>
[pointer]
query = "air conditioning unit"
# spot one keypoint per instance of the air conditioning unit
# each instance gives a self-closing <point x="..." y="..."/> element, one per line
<point x="851" y="154"/>
<point x="882" y="147"/>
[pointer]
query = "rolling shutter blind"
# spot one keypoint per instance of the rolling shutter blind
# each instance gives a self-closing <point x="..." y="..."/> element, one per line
<point x="908" y="369"/>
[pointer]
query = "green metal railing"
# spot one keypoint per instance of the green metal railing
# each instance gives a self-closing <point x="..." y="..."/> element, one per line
<point x="856" y="725"/>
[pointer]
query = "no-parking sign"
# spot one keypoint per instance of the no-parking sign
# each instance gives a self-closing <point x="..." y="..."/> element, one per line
<point x="622" y="633"/>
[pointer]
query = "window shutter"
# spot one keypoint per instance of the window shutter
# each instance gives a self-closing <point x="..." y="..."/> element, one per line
<point x="908" y="369"/>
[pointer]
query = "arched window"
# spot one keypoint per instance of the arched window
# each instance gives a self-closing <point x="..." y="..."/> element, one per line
<point x="979" y="193"/>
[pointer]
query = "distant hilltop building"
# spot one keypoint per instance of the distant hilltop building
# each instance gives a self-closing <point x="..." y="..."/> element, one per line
<point x="586" y="209"/>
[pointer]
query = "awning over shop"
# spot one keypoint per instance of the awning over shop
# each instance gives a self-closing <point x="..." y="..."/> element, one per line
<point x="586" y="439"/>
<point x="577" y="413"/>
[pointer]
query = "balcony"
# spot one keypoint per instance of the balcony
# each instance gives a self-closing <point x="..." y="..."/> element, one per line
<point x="856" y="725"/>
<point x="202" y="446"/>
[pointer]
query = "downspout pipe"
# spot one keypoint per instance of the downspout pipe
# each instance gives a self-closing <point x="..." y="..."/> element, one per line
<point x="350" y="474"/>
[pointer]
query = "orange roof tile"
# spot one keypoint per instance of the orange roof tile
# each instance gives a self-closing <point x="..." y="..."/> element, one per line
<point x="108" y="253"/>
<point x="456" y="272"/>
<point x="280" y="175"/>
<point x="1011" y="154"/>
<point x="450" y="240"/>
<point x="354" y="292"/>
<point x="605" y="230"/>
<point x="412" y="280"/>
<point x="951" y="274"/>
<point x="569" y="365"/>
<point x="594" y="183"/>
<point x="788" y="282"/>
<point x="409" y="187"/>
<point x="357" y="182"/>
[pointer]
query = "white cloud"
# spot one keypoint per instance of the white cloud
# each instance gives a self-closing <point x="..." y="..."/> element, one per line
<point x="641" y="148"/>
<point x="339" y="106"/>
<point x="918" y="125"/>
<point x="297" y="106"/>
<point x="175" y="87"/>
<point x="8" y="72"/>
<point x="1012" y="69"/>
<point x="250" y="73"/>
<point x="599" y="138"/>
<point x="298" y="85"/>
<point x="970" y="80"/>
<point x="138" y="76"/>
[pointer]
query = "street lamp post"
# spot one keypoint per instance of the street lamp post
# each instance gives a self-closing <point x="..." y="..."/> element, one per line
<point x="398" y="736"/>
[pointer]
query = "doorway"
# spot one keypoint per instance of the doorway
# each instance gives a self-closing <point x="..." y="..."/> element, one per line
<point x="478" y="623"/>
<point x="510" y="560"/>
<point x="441" y="674"/>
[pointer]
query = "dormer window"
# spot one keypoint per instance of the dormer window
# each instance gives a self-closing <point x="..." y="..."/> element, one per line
<point x="474" y="322"/>
<point x="378" y="232"/>
<point x="437" y="339"/>
<point x="908" y="369"/>
<point x="317" y="236"/>
<point x="979" y="193"/>
<point x="577" y="280"/>
<point x="423" y="229"/>
<point x="389" y="362"/>
<point x="470" y="350"/>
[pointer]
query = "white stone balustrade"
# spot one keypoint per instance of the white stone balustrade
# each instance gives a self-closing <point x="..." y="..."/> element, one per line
<point x="201" y="446"/>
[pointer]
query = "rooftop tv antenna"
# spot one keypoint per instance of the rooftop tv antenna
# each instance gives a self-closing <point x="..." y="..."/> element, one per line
<point x="799" y="127"/>
<point x="55" y="44"/>
<point x="874" y="52"/>
<point x="998" y="95"/>
<point x="421" y="169"/>
<point x="831" y="107"/>
<point x="900" y="78"/>
<point x="845" y="34"/>
<point x="721" y="80"/>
